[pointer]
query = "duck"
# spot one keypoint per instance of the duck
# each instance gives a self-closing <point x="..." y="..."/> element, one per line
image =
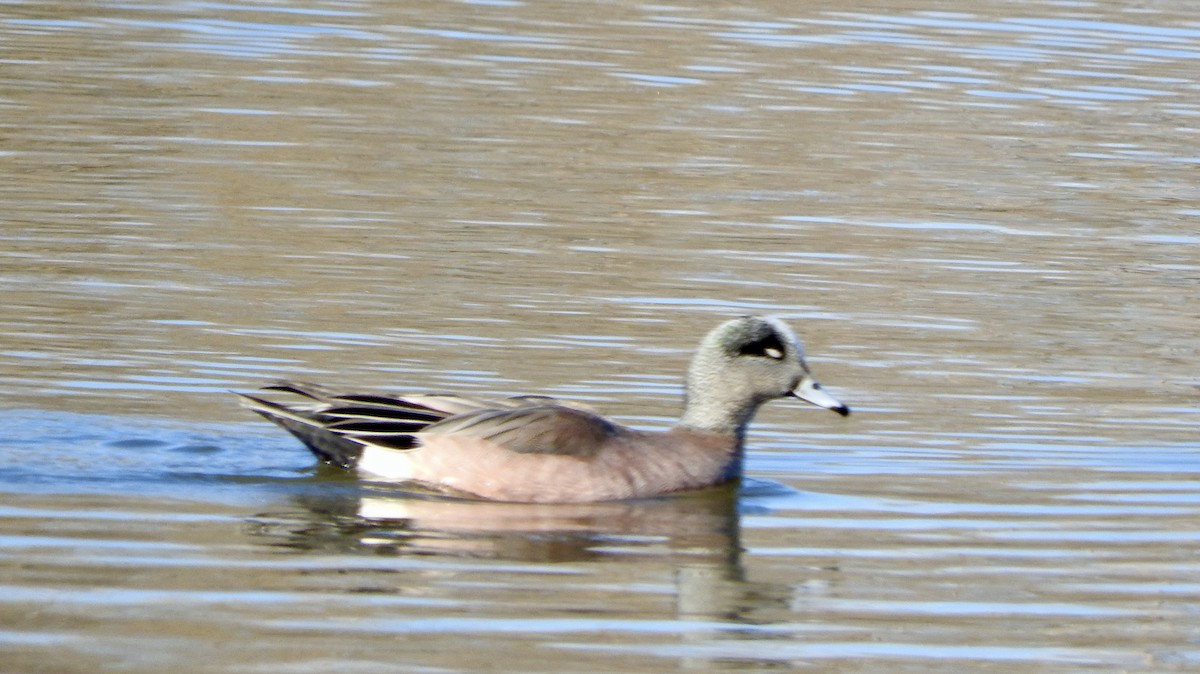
<point x="539" y="449"/>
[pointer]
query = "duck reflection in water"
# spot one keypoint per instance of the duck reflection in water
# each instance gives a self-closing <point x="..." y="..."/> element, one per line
<point x="696" y="533"/>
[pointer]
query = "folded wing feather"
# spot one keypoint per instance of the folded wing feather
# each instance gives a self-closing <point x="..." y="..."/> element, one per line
<point x="336" y="426"/>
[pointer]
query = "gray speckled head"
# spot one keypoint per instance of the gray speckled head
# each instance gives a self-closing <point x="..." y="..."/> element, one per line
<point x="742" y="364"/>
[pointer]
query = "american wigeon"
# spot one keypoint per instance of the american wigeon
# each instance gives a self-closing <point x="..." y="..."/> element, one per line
<point x="539" y="449"/>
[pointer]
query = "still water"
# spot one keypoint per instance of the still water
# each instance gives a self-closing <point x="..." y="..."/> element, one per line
<point x="984" y="219"/>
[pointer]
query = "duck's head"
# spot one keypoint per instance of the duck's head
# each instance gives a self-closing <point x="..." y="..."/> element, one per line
<point x="742" y="364"/>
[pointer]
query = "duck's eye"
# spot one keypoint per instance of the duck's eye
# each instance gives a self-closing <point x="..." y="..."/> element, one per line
<point x="767" y="347"/>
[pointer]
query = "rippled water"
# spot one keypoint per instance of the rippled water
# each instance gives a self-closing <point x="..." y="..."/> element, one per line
<point x="983" y="221"/>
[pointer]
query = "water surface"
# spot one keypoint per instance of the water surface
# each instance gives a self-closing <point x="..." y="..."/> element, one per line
<point x="983" y="221"/>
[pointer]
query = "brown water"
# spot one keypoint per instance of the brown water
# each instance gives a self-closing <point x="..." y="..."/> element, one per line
<point x="984" y="220"/>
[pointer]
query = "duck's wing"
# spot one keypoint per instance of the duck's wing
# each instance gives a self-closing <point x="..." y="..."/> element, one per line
<point x="548" y="428"/>
<point x="443" y="404"/>
<point x="336" y="426"/>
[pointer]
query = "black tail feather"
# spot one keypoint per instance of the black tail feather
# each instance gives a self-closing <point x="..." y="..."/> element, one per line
<point x="336" y="427"/>
<point x="330" y="448"/>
